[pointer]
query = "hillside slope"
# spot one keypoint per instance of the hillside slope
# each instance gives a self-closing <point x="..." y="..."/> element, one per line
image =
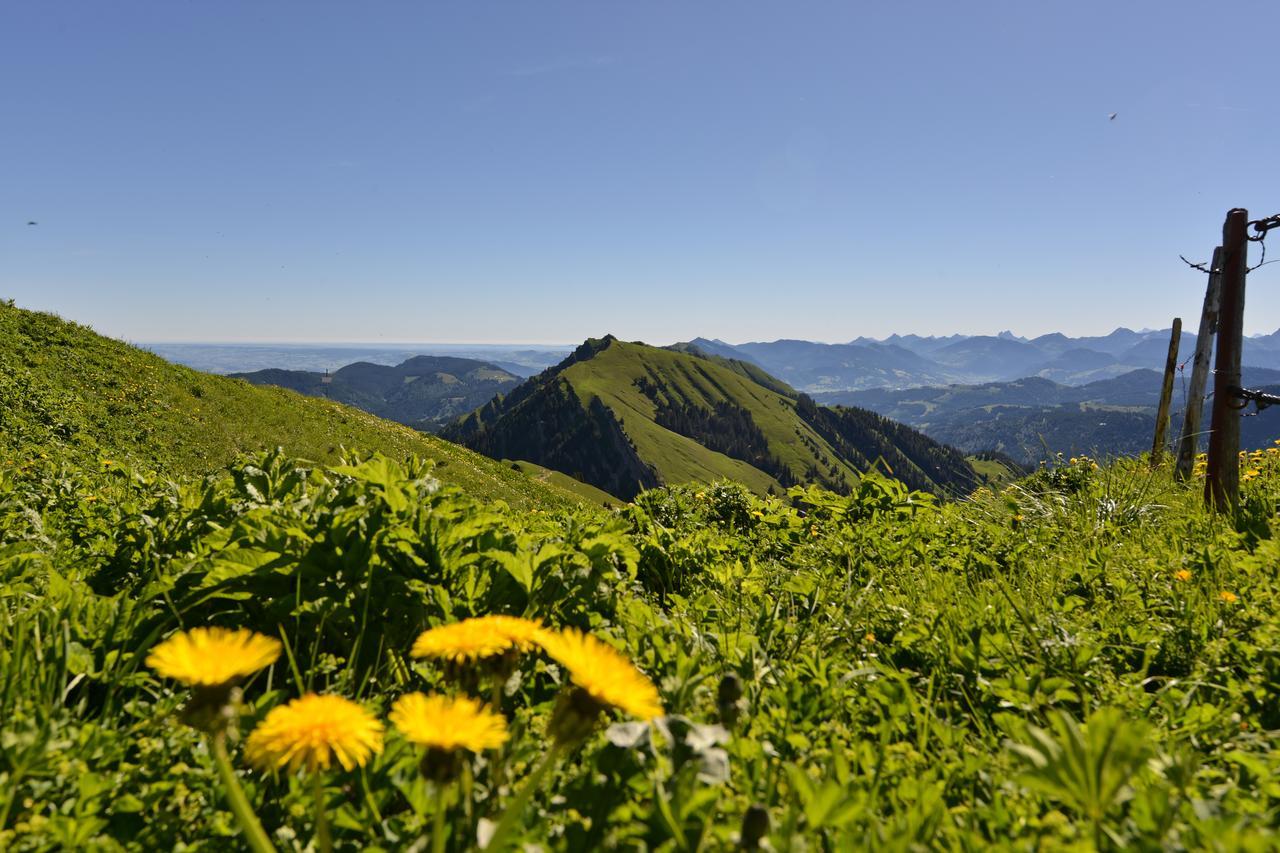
<point x="424" y="392"/>
<point x="84" y="397"/>
<point x="627" y="416"/>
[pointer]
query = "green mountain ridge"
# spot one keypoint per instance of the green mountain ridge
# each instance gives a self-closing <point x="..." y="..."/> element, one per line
<point x="628" y="416"/>
<point x="424" y="392"/>
<point x="85" y="398"/>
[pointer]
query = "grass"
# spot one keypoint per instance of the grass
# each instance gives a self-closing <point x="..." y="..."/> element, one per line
<point x="586" y="491"/>
<point x="611" y="375"/>
<point x="83" y="398"/>
<point x="993" y="472"/>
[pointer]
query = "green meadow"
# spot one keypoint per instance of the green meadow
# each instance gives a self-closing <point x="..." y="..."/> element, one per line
<point x="1082" y="659"/>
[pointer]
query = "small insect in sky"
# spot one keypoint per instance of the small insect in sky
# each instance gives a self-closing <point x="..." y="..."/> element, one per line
<point x="1112" y="117"/>
<point x="33" y="222"/>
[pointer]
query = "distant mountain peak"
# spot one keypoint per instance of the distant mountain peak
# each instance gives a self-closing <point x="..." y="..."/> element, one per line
<point x="629" y="416"/>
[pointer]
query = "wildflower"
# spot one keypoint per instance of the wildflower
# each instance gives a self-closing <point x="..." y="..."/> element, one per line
<point x="604" y="673"/>
<point x="869" y="638"/>
<point x="701" y="495"/>
<point x="312" y="731"/>
<point x="213" y="657"/>
<point x="604" y="678"/>
<point x="755" y="513"/>
<point x="1183" y="575"/>
<point x="440" y="722"/>
<point x="1228" y="596"/>
<point x="476" y="639"/>
<point x="1018" y="518"/>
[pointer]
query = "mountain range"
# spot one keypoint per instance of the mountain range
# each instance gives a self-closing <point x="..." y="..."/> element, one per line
<point x="1032" y="418"/>
<point x="424" y="392"/>
<point x="905" y="361"/>
<point x="628" y="416"/>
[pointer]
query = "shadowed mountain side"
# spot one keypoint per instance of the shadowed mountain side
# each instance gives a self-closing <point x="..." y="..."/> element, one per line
<point x="424" y="392"/>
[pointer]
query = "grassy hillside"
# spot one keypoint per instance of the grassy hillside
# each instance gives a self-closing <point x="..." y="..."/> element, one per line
<point x="628" y="416"/>
<point x="84" y="398"/>
<point x="586" y="491"/>
<point x="1086" y="660"/>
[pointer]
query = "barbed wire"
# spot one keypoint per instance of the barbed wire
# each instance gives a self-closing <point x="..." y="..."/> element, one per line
<point x="1261" y="228"/>
<point x="1202" y="266"/>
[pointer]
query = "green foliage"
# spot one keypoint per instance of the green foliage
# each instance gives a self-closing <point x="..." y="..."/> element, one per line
<point x="1082" y="661"/>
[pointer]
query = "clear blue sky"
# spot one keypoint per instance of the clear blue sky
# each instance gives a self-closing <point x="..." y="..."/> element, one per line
<point x="544" y="171"/>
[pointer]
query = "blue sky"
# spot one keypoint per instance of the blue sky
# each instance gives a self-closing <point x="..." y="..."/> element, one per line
<point x="545" y="171"/>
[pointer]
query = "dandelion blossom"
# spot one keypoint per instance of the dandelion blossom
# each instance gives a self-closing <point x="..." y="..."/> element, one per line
<point x="1183" y="575"/>
<point x="604" y="673"/>
<point x="476" y="639"/>
<point x="441" y="722"/>
<point x="1228" y="596"/>
<point x="312" y="731"/>
<point x="213" y="657"/>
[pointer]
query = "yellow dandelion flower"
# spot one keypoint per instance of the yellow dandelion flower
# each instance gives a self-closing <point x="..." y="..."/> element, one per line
<point x="1183" y="575"/>
<point x="604" y="673"/>
<point x="475" y="639"/>
<point x="311" y="732"/>
<point x="1228" y="596"/>
<point x="441" y="722"/>
<point x="212" y="657"/>
<point x="869" y="638"/>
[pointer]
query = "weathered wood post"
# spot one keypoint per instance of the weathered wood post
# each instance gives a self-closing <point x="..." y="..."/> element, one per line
<point x="1190" y="438"/>
<point x="1222" y="486"/>
<point x="1166" y="393"/>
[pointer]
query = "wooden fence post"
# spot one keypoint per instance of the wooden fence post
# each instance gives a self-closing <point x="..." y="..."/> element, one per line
<point x="1222" y="485"/>
<point x="1166" y="393"/>
<point x="1190" y="438"/>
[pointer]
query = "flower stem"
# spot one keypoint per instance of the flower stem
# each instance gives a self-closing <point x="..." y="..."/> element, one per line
<point x="323" y="840"/>
<point x="511" y="816"/>
<point x="437" y="821"/>
<point x="253" y="831"/>
<point x="499" y="757"/>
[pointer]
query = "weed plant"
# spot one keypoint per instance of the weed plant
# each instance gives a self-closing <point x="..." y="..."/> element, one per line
<point x="1086" y="659"/>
